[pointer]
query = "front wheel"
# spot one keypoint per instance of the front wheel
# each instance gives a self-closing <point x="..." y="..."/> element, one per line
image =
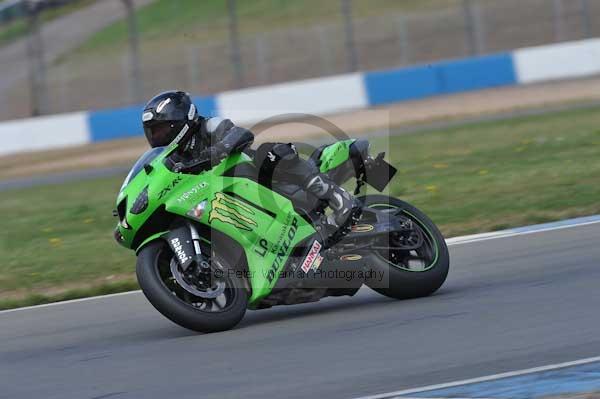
<point x="408" y="273"/>
<point x="215" y="307"/>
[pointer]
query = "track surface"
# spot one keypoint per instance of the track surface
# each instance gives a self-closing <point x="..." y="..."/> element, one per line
<point x="509" y="303"/>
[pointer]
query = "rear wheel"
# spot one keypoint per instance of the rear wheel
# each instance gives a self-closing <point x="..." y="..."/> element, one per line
<point x="217" y="304"/>
<point x="414" y="265"/>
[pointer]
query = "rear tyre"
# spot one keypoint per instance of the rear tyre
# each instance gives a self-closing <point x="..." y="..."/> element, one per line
<point x="155" y="277"/>
<point x="403" y="279"/>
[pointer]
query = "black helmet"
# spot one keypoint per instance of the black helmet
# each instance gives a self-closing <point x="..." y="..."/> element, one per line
<point x="169" y="117"/>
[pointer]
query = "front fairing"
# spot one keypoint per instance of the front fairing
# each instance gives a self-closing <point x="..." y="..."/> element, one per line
<point x="148" y="172"/>
<point x="264" y="223"/>
<point x="150" y="177"/>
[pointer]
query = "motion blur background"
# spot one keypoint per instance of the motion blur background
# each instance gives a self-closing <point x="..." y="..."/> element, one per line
<point x="82" y="54"/>
<point x="488" y="108"/>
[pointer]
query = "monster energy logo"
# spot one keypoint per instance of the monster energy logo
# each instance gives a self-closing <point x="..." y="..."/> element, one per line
<point x="231" y="211"/>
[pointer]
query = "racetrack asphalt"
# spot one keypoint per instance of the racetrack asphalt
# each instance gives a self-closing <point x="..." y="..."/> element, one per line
<point x="509" y="303"/>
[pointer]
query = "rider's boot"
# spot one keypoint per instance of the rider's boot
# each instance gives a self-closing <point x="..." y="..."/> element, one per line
<point x="346" y="209"/>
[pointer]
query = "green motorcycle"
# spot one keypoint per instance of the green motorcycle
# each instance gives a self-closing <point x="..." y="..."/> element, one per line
<point x="216" y="241"/>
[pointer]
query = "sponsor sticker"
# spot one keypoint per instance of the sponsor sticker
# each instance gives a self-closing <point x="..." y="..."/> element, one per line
<point x="192" y="193"/>
<point x="310" y="259"/>
<point x="162" y="105"/>
<point x="283" y="251"/>
<point x="317" y="263"/>
<point x="229" y="210"/>
<point x="192" y="112"/>
<point x="179" y="251"/>
<point x="181" y="134"/>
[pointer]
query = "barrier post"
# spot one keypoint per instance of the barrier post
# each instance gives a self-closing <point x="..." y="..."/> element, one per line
<point x="35" y="54"/>
<point x="470" y="28"/>
<point x="559" y="26"/>
<point x="135" y="78"/>
<point x="586" y="21"/>
<point x="352" y="59"/>
<point x="403" y="38"/>
<point x="234" y="43"/>
<point x="262" y="63"/>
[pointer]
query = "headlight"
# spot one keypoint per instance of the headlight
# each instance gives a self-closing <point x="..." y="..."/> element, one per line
<point x="118" y="236"/>
<point x="141" y="202"/>
<point x="124" y="224"/>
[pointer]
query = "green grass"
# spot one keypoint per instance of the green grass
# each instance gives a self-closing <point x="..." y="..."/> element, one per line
<point x="175" y="21"/>
<point x="58" y="239"/>
<point x="19" y="28"/>
<point x="491" y="176"/>
<point x="12" y="31"/>
<point x="65" y="295"/>
<point x="57" y="242"/>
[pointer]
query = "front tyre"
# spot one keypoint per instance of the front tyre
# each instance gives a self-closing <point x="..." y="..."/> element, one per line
<point x="154" y="274"/>
<point x="409" y="273"/>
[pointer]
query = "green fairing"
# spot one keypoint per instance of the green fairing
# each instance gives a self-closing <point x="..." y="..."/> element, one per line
<point x="148" y="240"/>
<point x="335" y="154"/>
<point x="224" y="212"/>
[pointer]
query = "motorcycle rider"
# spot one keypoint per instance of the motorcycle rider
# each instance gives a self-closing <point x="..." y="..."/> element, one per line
<point x="171" y="117"/>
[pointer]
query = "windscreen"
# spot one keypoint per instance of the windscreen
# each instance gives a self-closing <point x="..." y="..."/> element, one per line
<point x="148" y="157"/>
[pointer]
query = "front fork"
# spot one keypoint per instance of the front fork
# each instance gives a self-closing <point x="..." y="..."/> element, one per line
<point x="184" y="241"/>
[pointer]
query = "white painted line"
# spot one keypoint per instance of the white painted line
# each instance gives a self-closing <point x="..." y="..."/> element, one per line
<point x="451" y="242"/>
<point x="508" y="233"/>
<point x="493" y="377"/>
<point x="474" y="237"/>
<point x="91" y="298"/>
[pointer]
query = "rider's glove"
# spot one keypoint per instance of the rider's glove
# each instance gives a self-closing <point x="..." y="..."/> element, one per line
<point x="214" y="153"/>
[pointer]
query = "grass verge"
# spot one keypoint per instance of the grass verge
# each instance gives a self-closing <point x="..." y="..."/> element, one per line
<point x="40" y="299"/>
<point x="495" y="175"/>
<point x="18" y="28"/>
<point x="57" y="242"/>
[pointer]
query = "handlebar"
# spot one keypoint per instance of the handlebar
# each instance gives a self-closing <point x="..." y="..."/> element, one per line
<point x="206" y="160"/>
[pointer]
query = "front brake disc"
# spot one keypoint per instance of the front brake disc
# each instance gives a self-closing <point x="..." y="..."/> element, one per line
<point x="209" y="293"/>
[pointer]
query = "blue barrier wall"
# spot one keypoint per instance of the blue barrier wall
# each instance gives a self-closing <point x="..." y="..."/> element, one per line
<point x="115" y="123"/>
<point x="382" y="87"/>
<point x="385" y="87"/>
<point x="476" y="73"/>
<point x="535" y="64"/>
<point x="127" y="122"/>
